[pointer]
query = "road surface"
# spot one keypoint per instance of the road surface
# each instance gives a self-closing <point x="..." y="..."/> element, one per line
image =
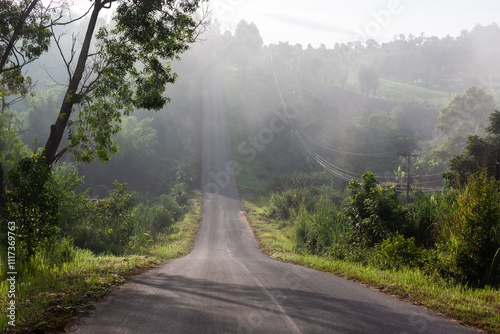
<point x="226" y="285"/>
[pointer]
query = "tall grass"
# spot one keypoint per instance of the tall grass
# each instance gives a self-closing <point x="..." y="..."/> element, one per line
<point x="474" y="306"/>
<point x="321" y="232"/>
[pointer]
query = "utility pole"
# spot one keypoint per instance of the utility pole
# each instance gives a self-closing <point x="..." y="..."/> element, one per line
<point x="408" y="181"/>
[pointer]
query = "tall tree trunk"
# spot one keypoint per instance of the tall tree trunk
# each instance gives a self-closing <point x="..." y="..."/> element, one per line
<point x="70" y="98"/>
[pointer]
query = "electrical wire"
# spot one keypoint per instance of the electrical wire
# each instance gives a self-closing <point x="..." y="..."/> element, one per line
<point x="340" y="173"/>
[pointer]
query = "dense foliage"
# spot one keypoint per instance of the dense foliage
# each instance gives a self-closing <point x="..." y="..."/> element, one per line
<point x="32" y="204"/>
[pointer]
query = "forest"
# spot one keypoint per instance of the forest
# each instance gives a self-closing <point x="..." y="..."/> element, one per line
<point x="385" y="155"/>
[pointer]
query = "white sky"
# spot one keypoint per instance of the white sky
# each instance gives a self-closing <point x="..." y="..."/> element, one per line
<point x="329" y="21"/>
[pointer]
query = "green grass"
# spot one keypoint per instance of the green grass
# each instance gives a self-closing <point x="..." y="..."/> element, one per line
<point x="475" y="307"/>
<point x="48" y="298"/>
<point x="401" y="92"/>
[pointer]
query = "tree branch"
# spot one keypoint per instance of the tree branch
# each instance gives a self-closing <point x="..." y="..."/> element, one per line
<point x="71" y="20"/>
<point x="16" y="33"/>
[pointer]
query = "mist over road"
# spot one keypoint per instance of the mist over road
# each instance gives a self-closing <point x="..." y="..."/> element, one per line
<point x="226" y="285"/>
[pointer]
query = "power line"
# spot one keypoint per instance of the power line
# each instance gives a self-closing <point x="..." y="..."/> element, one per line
<point x="316" y="139"/>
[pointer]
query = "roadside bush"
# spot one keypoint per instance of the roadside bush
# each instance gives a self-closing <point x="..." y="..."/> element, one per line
<point x="75" y="206"/>
<point x="283" y="205"/>
<point x="373" y="212"/>
<point x="421" y="219"/>
<point x="166" y="212"/>
<point x="157" y="216"/>
<point x="60" y="252"/>
<point x="397" y="252"/>
<point x="109" y="225"/>
<point x="469" y="240"/>
<point x="321" y="232"/>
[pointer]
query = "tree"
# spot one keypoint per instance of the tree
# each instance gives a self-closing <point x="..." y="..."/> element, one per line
<point x="374" y="212"/>
<point x="126" y="72"/>
<point x="24" y="36"/>
<point x="116" y="71"/>
<point x="466" y="114"/>
<point x="480" y="153"/>
<point x="368" y="80"/>
<point x="247" y="43"/>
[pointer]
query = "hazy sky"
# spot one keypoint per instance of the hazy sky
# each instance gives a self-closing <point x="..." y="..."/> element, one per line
<point x="329" y="21"/>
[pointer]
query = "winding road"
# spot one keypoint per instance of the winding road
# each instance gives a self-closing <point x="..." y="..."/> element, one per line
<point x="226" y="285"/>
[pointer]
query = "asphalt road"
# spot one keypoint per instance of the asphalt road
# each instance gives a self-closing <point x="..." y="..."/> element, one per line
<point x="226" y="285"/>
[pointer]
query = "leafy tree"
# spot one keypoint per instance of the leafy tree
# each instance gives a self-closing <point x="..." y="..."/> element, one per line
<point x="32" y="204"/>
<point x="368" y="80"/>
<point x="373" y="137"/>
<point x="127" y="71"/>
<point x="374" y="212"/>
<point x="479" y="153"/>
<point x="247" y="43"/>
<point x="11" y="146"/>
<point x="24" y="36"/>
<point x="464" y="115"/>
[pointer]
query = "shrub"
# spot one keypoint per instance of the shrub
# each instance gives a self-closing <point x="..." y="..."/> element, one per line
<point x="109" y="225"/>
<point x="374" y="212"/>
<point x="167" y="212"/>
<point x="397" y="252"/>
<point x="32" y="203"/>
<point x="156" y="217"/>
<point x="288" y="202"/>
<point x="60" y="252"/>
<point x="469" y="241"/>
<point x="322" y="232"/>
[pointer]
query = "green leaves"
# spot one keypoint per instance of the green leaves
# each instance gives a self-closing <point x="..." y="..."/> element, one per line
<point x="32" y="204"/>
<point x="470" y="242"/>
<point x="374" y="211"/>
<point x="466" y="114"/>
<point x="131" y="71"/>
<point x="479" y="153"/>
<point x="34" y="36"/>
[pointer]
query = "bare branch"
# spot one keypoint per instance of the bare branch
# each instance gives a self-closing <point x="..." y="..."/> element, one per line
<point x="76" y="19"/>
<point x="57" y="41"/>
<point x="54" y="80"/>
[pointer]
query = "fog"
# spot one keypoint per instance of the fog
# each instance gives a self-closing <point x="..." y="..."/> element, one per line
<point x="353" y="106"/>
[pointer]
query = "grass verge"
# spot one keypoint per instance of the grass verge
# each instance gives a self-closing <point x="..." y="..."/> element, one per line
<point x="478" y="308"/>
<point x="50" y="297"/>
